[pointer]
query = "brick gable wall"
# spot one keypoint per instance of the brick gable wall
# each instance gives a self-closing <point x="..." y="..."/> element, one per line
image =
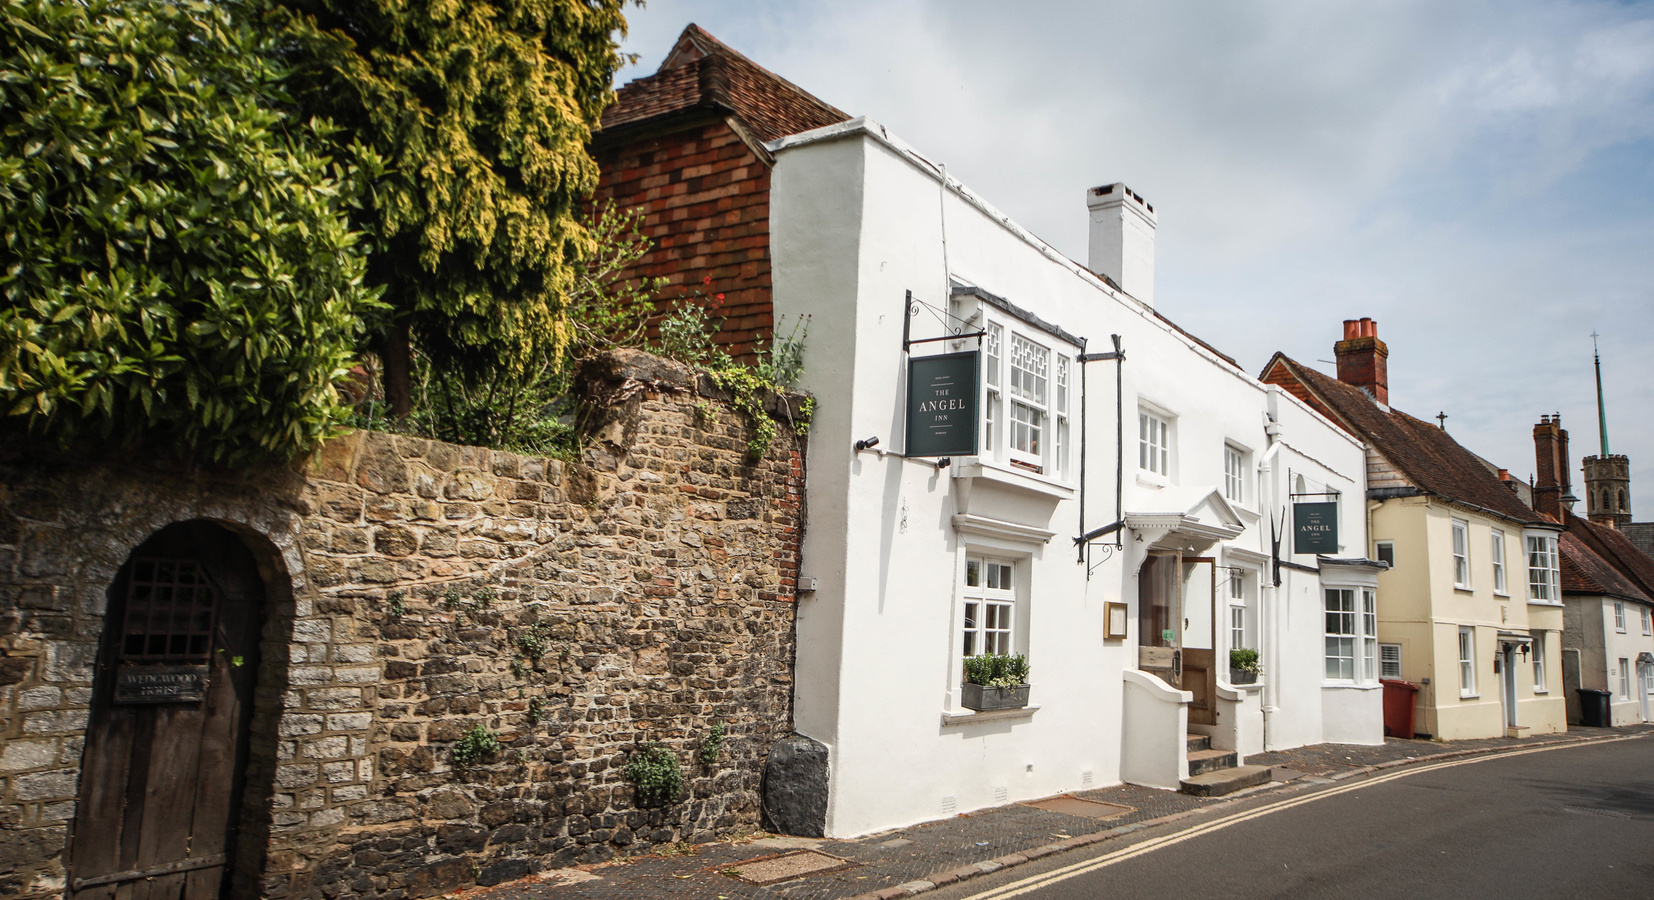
<point x="707" y="195"/>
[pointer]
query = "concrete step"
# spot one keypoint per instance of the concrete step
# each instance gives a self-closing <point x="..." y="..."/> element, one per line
<point x="1225" y="781"/>
<point x="1193" y="742"/>
<point x="1203" y="761"/>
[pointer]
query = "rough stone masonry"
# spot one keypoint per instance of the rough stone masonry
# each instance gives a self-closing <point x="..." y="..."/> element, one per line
<point x="416" y="589"/>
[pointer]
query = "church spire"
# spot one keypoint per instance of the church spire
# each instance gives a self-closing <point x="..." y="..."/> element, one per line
<point x="1602" y="411"/>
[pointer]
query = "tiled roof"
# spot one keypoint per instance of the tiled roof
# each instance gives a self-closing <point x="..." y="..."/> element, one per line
<point x="1584" y="572"/>
<point x="1615" y="549"/>
<point x="1424" y="453"/>
<point x="702" y="72"/>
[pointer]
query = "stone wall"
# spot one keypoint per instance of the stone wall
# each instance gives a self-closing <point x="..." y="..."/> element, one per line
<point x="417" y="589"/>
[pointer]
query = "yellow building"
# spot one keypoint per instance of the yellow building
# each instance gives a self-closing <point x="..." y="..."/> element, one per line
<point x="1471" y="608"/>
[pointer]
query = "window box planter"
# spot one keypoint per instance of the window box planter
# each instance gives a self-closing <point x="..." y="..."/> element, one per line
<point x="1241" y="676"/>
<point x="982" y="698"/>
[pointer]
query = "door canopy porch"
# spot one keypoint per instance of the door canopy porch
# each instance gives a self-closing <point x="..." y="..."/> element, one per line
<point x="1187" y="520"/>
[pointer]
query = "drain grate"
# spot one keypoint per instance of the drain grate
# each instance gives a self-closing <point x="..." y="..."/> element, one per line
<point x="787" y="866"/>
<point x="1073" y="806"/>
<point x="1586" y="810"/>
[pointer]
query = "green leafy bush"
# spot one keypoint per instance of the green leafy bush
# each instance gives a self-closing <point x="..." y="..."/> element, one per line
<point x="175" y="264"/>
<point x="713" y="744"/>
<point x="654" y="771"/>
<point x="475" y="744"/>
<point x="1244" y="660"/>
<point x="997" y="670"/>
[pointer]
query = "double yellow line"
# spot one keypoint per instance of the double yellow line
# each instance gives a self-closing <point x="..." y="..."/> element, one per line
<point x="1046" y="879"/>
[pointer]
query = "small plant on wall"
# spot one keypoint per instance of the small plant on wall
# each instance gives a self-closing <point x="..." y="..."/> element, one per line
<point x="1243" y="666"/>
<point x="474" y="745"/>
<point x="654" y="772"/>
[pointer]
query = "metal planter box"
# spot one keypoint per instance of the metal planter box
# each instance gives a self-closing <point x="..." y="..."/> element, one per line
<point x="982" y="699"/>
<point x="1238" y="676"/>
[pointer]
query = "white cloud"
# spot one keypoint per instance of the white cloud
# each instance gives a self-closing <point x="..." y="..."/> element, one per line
<point x="1477" y="176"/>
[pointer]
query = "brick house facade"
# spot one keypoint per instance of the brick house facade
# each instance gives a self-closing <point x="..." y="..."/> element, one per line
<point x="687" y="143"/>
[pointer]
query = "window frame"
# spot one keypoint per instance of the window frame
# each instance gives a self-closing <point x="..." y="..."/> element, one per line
<point x="1383" y="651"/>
<point x="1238" y="610"/>
<point x="1234" y="474"/>
<point x="1034" y="397"/>
<point x="1496" y="550"/>
<point x="979" y="630"/>
<point x="1647" y="620"/>
<point x="1544" y="569"/>
<point x="1619" y="616"/>
<point x="1467" y="662"/>
<point x="1348" y="637"/>
<point x="1378" y="552"/>
<point x="1625" y="679"/>
<point x="1461" y="554"/>
<point x="1151" y="424"/>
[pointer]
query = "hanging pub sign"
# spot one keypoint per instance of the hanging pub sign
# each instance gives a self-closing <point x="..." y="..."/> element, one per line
<point x="1315" y="528"/>
<point x="942" y="404"/>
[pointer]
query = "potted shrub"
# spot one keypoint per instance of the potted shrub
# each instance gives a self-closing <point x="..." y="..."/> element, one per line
<point x="995" y="681"/>
<point x="1243" y="666"/>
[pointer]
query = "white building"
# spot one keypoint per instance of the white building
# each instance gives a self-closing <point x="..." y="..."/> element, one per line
<point x="919" y="565"/>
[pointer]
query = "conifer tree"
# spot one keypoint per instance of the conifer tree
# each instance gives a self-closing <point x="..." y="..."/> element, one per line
<point x="481" y="110"/>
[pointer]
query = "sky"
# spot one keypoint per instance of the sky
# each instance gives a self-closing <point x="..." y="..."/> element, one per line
<point x="1478" y="177"/>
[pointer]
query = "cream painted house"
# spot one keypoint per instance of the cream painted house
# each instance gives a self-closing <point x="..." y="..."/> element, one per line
<point x="1472" y="609"/>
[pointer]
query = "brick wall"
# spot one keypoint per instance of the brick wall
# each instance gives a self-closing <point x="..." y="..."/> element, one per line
<point x="408" y="583"/>
<point x="707" y="196"/>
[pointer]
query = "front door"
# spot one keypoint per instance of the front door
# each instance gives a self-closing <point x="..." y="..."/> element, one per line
<point x="1645" y="677"/>
<point x="1160" y="618"/>
<point x="160" y="786"/>
<point x="1508" y="683"/>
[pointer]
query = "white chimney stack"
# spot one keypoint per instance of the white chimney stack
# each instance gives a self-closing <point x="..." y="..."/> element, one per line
<point x="1122" y="238"/>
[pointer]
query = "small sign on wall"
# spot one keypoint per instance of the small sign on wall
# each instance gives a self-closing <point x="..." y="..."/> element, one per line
<point x="942" y="404"/>
<point x="1315" y="528"/>
<point x="160" y="684"/>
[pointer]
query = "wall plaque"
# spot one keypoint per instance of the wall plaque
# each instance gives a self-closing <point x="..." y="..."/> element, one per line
<point x="942" y="404"/>
<point x="160" y="684"/>
<point x="1315" y="528"/>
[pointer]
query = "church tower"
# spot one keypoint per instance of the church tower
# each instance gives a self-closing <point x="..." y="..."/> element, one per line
<point x="1607" y="476"/>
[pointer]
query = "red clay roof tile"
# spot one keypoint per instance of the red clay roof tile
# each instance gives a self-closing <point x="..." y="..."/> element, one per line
<point x="1425" y="454"/>
<point x="704" y="73"/>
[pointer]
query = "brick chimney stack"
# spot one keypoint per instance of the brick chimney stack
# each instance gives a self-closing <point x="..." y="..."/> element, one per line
<point x="1552" y="490"/>
<point x="1362" y="359"/>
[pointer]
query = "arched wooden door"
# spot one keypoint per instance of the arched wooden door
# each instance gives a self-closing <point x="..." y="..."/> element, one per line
<point x="160" y="790"/>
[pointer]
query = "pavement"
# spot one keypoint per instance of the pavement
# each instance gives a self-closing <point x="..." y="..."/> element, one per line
<point x="914" y="860"/>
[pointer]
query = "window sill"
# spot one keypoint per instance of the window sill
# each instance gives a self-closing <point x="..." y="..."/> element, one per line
<point x="1547" y="603"/>
<point x="950" y="719"/>
<point x="1502" y="594"/>
<point x="1464" y="696"/>
<point x="1150" y="479"/>
<point x="1351" y="685"/>
<point x="1028" y="481"/>
<point x="1464" y="589"/>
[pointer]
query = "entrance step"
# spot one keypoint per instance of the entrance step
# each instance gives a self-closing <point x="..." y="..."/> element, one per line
<point x="1203" y="761"/>
<point x="1195" y="742"/>
<point x="1225" y="781"/>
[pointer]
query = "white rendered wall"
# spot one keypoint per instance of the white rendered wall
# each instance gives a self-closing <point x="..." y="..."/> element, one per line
<point x="1627" y="645"/>
<point x="856" y="223"/>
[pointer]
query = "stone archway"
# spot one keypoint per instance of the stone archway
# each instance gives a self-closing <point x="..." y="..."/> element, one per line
<point x="167" y="743"/>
